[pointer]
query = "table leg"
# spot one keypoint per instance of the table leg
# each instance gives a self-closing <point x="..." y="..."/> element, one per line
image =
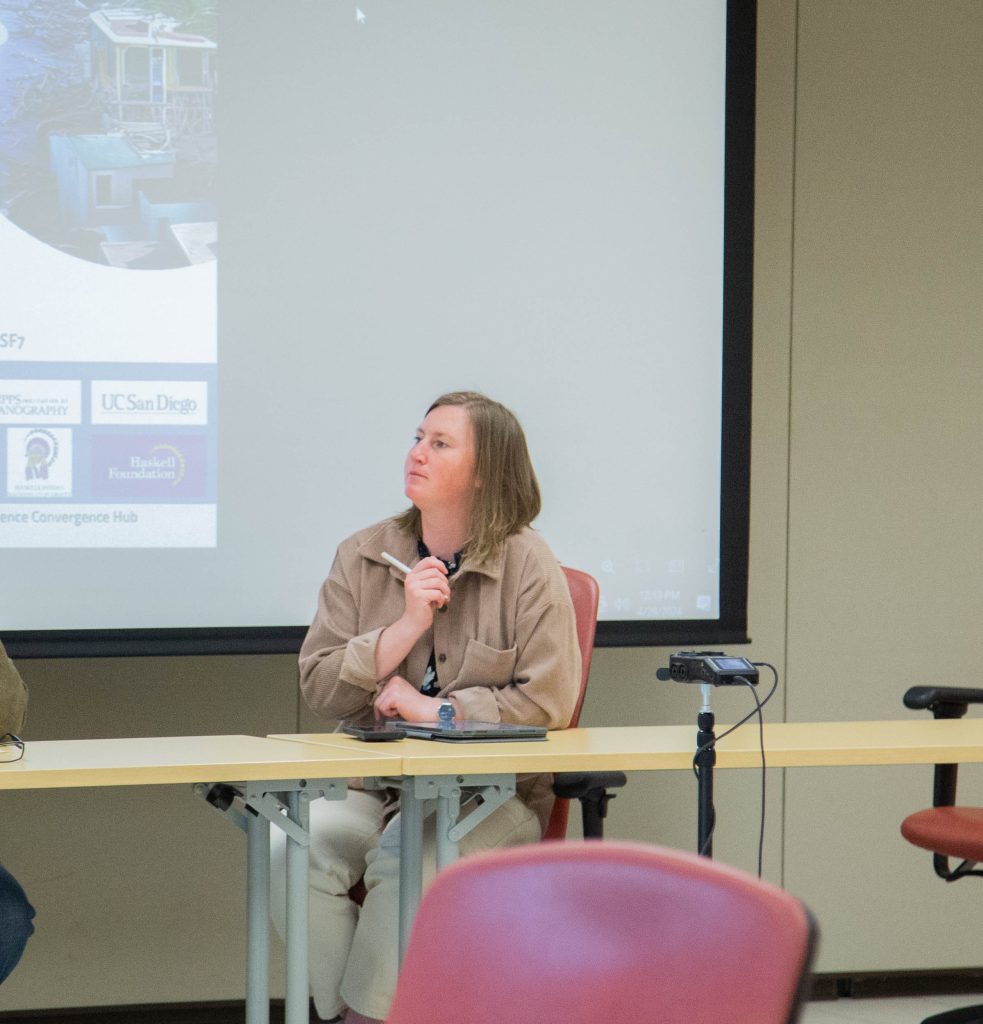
<point x="257" y="919"/>
<point x="298" y="862"/>
<point x="494" y="790"/>
<point x="410" y="861"/>
<point x="448" y="808"/>
<point x="262" y="804"/>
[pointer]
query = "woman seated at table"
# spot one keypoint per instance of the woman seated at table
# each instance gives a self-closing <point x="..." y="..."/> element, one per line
<point x="483" y="621"/>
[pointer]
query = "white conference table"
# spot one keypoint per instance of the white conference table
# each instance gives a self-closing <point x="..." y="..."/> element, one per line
<point x="438" y="771"/>
<point x="273" y="779"/>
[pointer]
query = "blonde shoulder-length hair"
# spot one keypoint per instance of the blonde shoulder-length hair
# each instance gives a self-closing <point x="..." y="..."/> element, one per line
<point x="507" y="497"/>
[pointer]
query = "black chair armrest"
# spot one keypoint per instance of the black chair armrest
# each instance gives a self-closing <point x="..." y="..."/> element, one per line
<point x="575" y="785"/>
<point x="942" y="701"/>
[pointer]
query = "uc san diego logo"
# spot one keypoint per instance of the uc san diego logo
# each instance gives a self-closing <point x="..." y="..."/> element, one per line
<point x="39" y="463"/>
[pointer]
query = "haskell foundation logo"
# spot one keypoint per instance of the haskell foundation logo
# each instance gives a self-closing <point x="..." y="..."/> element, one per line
<point x="137" y="466"/>
<point x="39" y="463"/>
<point x="166" y="457"/>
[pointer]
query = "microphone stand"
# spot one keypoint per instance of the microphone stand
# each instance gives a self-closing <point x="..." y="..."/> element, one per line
<point x="706" y="758"/>
<point x="709" y="669"/>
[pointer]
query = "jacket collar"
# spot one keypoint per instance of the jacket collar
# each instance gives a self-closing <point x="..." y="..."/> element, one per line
<point x="392" y="539"/>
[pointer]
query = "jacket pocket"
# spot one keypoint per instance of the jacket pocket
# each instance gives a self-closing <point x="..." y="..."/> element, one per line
<point x="486" y="666"/>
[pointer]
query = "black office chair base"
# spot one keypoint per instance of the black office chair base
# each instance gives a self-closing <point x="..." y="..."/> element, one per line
<point x="966" y="1015"/>
<point x="591" y="789"/>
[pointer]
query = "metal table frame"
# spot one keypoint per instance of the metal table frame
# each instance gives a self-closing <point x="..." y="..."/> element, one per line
<point x="422" y="795"/>
<point x="254" y="808"/>
<point x="439" y="779"/>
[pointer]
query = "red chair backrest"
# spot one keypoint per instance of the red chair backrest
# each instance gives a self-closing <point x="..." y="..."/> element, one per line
<point x="586" y="595"/>
<point x="585" y="931"/>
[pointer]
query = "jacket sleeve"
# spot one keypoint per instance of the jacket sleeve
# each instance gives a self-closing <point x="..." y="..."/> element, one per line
<point x="13" y="696"/>
<point x="546" y="680"/>
<point x="337" y="665"/>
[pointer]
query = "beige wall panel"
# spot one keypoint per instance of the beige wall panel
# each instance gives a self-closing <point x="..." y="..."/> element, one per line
<point x="774" y="165"/>
<point x="886" y="477"/>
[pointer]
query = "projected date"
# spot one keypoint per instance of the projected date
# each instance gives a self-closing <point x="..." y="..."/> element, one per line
<point x="8" y="339"/>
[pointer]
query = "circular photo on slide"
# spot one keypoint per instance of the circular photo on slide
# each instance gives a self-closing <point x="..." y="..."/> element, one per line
<point x="108" y="148"/>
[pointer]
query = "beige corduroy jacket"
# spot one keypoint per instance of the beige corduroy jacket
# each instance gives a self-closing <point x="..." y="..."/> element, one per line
<point x="13" y="696"/>
<point x="505" y="645"/>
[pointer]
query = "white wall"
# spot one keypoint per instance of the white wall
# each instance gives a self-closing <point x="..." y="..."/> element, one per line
<point x="865" y="546"/>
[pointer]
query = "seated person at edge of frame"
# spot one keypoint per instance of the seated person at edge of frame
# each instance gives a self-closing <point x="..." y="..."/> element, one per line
<point x="483" y="620"/>
<point x="16" y="914"/>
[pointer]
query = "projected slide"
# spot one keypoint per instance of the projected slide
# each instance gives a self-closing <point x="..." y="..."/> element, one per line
<point x="417" y="196"/>
<point x="108" y="335"/>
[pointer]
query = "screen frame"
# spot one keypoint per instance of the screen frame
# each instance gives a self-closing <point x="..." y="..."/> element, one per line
<point x="735" y="474"/>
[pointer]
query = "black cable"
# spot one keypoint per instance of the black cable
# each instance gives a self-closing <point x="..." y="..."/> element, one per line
<point x="713" y="824"/>
<point x="757" y="710"/>
<point x="761" y="742"/>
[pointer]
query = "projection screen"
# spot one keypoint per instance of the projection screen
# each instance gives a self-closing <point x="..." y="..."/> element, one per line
<point x="246" y="243"/>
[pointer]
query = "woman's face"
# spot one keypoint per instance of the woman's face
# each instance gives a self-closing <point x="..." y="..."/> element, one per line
<point x="439" y="470"/>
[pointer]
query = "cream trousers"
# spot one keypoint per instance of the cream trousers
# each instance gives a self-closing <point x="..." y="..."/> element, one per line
<point x="354" y="951"/>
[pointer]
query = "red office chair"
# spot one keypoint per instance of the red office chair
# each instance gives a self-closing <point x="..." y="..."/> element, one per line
<point x="590" y="788"/>
<point x="603" y="931"/>
<point x="944" y="829"/>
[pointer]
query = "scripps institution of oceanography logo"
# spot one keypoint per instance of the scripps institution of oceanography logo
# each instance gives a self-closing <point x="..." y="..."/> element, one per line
<point x="40" y="454"/>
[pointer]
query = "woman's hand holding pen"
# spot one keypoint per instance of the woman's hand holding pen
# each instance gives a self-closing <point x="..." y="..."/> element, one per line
<point x="425" y="589"/>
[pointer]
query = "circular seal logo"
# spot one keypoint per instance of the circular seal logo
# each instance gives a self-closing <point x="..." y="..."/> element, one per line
<point x="40" y="453"/>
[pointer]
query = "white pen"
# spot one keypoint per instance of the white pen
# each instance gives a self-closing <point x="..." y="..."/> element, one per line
<point x="396" y="563"/>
